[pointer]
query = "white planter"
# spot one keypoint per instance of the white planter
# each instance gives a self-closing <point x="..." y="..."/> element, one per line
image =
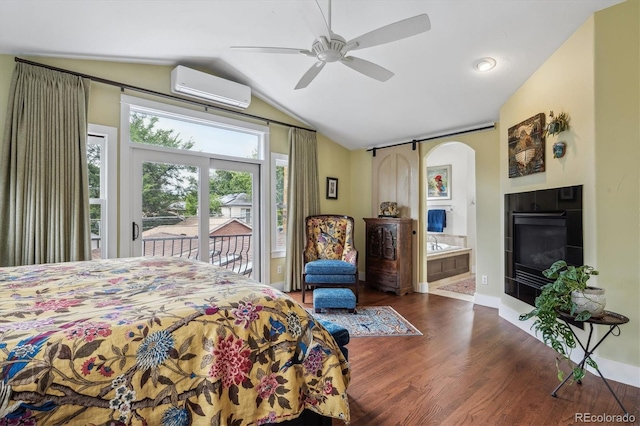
<point x="591" y="299"/>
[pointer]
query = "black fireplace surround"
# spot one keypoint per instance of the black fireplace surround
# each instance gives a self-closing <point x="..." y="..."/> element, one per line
<point x="540" y="228"/>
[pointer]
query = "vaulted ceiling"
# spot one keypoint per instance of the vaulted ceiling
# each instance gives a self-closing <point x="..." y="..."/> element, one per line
<point x="435" y="89"/>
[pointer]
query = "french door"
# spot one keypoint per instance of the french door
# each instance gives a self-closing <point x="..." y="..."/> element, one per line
<point x="194" y="206"/>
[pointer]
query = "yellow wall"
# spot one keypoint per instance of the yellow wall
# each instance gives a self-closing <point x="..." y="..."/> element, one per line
<point x="617" y="171"/>
<point x="488" y="212"/>
<point x="485" y="145"/>
<point x="6" y="69"/>
<point x="360" y="194"/>
<point x="104" y="109"/>
<point x="104" y="102"/>
<point x="593" y="77"/>
<point x="563" y="83"/>
<point x="334" y="161"/>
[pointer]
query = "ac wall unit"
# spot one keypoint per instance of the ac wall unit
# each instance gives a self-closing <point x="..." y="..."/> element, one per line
<point x="200" y="85"/>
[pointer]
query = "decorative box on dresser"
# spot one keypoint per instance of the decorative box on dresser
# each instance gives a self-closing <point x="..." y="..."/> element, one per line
<point x="388" y="254"/>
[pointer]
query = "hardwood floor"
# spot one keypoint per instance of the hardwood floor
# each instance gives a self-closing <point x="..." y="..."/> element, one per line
<point x="469" y="367"/>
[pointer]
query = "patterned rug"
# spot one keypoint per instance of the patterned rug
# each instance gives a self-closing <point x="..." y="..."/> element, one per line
<point x="466" y="286"/>
<point x="370" y="321"/>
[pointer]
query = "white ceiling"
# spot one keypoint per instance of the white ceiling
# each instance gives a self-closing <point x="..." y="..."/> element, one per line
<point x="434" y="91"/>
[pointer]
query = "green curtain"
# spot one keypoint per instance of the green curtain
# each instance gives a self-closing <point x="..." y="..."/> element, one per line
<point x="44" y="190"/>
<point x="303" y="199"/>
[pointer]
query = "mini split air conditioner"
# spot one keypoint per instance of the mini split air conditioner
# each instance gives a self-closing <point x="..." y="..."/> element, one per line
<point x="200" y="85"/>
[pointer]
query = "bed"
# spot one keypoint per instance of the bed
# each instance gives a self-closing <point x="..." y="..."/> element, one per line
<point x="160" y="341"/>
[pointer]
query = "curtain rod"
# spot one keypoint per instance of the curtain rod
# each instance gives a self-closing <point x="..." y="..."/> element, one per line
<point x="124" y="86"/>
<point x="416" y="141"/>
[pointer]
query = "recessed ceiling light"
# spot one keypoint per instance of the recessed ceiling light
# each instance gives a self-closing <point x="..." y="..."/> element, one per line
<point x="485" y="64"/>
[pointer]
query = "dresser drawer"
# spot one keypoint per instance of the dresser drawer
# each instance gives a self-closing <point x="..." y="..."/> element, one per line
<point x="383" y="278"/>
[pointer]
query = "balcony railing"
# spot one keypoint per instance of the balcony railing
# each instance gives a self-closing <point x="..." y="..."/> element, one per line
<point x="228" y="251"/>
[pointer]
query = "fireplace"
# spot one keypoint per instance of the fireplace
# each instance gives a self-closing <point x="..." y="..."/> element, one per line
<point x="539" y="239"/>
<point x="541" y="227"/>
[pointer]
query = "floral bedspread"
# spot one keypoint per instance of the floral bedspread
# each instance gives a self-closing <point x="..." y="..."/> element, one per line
<point x="159" y="341"/>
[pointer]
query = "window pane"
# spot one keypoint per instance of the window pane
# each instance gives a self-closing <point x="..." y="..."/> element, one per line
<point x="281" y="205"/>
<point x="93" y="164"/>
<point x="194" y="135"/>
<point x="95" y="215"/>
<point x="231" y="220"/>
<point x="169" y="210"/>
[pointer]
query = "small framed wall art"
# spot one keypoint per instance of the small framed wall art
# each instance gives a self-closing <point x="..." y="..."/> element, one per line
<point x="439" y="182"/>
<point x="332" y="188"/>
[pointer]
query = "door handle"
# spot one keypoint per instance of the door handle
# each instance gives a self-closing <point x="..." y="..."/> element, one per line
<point x="135" y="231"/>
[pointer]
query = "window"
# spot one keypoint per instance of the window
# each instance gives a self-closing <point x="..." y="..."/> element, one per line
<point x="188" y="174"/>
<point x="194" y="134"/>
<point x="279" y="171"/>
<point x="102" y="190"/>
<point x="245" y="214"/>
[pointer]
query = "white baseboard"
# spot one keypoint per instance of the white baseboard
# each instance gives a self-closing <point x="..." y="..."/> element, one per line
<point x="278" y="286"/>
<point x="484" y="300"/>
<point x="611" y="369"/>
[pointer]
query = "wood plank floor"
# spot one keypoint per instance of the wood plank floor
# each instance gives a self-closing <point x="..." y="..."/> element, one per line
<point x="469" y="367"/>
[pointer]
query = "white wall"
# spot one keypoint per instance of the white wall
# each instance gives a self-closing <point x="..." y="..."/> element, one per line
<point x="462" y="185"/>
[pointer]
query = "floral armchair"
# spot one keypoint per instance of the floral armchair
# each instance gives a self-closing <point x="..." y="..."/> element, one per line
<point x="330" y="258"/>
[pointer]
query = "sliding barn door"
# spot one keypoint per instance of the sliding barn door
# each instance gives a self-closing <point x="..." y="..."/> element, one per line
<point x="395" y="177"/>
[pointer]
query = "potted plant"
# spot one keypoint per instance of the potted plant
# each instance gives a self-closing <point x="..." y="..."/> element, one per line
<point x="563" y="295"/>
<point x="557" y="124"/>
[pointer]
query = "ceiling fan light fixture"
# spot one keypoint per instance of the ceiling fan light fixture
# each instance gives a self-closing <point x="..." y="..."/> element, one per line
<point x="329" y="50"/>
<point x="485" y="64"/>
<point x="330" y="47"/>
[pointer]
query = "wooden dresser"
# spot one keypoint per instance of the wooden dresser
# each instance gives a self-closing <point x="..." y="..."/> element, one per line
<point x="388" y="254"/>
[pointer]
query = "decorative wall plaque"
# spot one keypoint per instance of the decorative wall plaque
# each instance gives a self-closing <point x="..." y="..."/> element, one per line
<point x="526" y="146"/>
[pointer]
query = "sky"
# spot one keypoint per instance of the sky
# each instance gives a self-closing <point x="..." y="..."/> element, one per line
<point x="208" y="138"/>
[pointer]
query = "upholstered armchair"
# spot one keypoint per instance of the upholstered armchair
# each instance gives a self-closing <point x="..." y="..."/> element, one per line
<point x="330" y="258"/>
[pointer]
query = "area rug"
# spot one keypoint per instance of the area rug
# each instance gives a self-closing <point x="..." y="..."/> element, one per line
<point x="466" y="286"/>
<point x="370" y="321"/>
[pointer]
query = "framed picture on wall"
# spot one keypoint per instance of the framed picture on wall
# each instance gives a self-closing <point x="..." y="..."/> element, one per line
<point x="439" y="182"/>
<point x="526" y="146"/>
<point x="332" y="188"/>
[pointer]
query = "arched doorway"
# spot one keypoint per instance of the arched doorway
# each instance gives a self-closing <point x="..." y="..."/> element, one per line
<point x="450" y="247"/>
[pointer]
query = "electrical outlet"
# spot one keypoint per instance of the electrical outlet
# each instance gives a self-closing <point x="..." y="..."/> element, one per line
<point x="485" y="280"/>
<point x="279" y="269"/>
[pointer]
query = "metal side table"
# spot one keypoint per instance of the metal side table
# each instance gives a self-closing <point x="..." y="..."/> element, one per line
<point x="614" y="321"/>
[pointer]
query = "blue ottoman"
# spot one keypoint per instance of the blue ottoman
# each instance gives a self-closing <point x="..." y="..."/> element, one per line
<point x="334" y="298"/>
<point x="339" y="334"/>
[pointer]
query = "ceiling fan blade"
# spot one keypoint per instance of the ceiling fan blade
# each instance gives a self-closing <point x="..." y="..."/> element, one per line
<point x="314" y="19"/>
<point x="286" y="50"/>
<point x="310" y="75"/>
<point x="367" y="68"/>
<point x="392" y="32"/>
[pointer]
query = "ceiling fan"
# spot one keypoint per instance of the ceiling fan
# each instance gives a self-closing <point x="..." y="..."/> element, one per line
<point x="331" y="47"/>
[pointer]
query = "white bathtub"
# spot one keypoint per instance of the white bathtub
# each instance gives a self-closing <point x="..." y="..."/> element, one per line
<point x="446" y="261"/>
<point x="441" y="247"/>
